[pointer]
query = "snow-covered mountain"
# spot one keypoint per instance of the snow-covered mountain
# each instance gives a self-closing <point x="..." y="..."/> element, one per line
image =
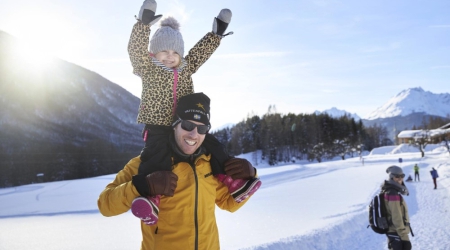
<point x="408" y="109"/>
<point x="336" y="113"/>
<point x="61" y="115"/>
<point x="413" y="100"/>
<point x="227" y="125"/>
<point x="65" y="95"/>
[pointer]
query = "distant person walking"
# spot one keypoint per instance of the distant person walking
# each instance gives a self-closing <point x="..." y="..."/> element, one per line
<point x="416" y="172"/>
<point x="434" y="175"/>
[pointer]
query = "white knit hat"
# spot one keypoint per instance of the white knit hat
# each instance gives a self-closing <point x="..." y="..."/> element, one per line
<point x="167" y="37"/>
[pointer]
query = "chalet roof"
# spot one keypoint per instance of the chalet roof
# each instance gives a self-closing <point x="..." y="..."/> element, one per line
<point x="446" y="126"/>
<point x="423" y="133"/>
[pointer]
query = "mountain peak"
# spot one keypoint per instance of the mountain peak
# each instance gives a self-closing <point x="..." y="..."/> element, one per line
<point x="336" y="113"/>
<point x="413" y="100"/>
<point x="411" y="91"/>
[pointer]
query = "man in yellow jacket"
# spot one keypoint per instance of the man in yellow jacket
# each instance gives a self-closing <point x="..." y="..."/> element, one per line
<point x="189" y="192"/>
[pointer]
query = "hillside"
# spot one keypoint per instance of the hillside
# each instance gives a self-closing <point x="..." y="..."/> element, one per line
<point x="411" y="101"/>
<point x="60" y="119"/>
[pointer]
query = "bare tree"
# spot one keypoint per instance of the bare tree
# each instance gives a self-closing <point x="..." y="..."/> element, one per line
<point x="421" y="140"/>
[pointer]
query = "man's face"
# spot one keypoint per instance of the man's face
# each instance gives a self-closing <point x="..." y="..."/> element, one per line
<point x="188" y="141"/>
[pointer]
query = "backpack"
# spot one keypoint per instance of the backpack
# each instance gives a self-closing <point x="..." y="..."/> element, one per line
<point x="378" y="215"/>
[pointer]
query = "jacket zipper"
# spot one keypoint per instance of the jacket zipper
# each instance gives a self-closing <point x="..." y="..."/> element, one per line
<point x="195" y="207"/>
<point x="175" y="83"/>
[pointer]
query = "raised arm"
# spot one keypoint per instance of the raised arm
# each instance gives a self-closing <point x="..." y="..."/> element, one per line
<point x="204" y="48"/>
<point x="139" y="39"/>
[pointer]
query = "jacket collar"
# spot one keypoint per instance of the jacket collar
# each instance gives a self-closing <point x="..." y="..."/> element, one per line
<point x="393" y="185"/>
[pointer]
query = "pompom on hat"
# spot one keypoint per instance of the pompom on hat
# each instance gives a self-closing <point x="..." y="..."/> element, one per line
<point x="168" y="37"/>
<point x="194" y="107"/>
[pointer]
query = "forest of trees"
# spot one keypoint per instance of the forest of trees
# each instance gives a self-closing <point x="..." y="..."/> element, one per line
<point x="46" y="162"/>
<point x="283" y="138"/>
<point x="432" y="123"/>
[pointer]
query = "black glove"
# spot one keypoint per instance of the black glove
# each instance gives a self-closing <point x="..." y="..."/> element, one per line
<point x="239" y="169"/>
<point x="156" y="183"/>
<point x="147" y="13"/>
<point x="406" y="245"/>
<point x="220" y="23"/>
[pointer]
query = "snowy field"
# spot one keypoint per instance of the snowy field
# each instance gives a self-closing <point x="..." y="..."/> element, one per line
<point x="300" y="206"/>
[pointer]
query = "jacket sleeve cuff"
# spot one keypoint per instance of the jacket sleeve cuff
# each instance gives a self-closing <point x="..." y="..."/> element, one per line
<point x="140" y="183"/>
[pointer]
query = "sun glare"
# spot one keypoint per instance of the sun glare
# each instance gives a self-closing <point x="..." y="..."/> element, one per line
<point x="28" y="56"/>
<point x="44" y="34"/>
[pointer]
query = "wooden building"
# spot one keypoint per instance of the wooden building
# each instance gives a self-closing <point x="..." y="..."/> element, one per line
<point x="434" y="136"/>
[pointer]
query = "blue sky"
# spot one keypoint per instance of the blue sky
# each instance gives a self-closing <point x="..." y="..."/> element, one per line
<point x="300" y="56"/>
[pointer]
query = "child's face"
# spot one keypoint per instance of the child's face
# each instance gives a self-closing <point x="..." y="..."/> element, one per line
<point x="169" y="58"/>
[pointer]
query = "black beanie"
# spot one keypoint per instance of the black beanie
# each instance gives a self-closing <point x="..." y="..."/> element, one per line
<point x="193" y="107"/>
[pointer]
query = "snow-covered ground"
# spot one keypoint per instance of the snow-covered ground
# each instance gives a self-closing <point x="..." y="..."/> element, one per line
<point x="300" y="206"/>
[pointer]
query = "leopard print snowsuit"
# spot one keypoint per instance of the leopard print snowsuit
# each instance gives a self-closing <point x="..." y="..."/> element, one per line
<point x="157" y="80"/>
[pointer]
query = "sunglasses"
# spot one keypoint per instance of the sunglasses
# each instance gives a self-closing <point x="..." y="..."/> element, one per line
<point x="398" y="176"/>
<point x="189" y="126"/>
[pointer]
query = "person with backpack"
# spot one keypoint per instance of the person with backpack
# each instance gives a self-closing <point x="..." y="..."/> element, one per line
<point x="396" y="209"/>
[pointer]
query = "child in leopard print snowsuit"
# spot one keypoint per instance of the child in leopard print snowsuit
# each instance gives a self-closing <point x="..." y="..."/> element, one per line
<point x="166" y="77"/>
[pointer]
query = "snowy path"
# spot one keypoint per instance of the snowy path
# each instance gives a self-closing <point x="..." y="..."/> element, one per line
<point x="301" y="206"/>
<point x="430" y="217"/>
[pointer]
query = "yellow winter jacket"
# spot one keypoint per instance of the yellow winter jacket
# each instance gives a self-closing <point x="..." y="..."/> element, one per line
<point x="186" y="220"/>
